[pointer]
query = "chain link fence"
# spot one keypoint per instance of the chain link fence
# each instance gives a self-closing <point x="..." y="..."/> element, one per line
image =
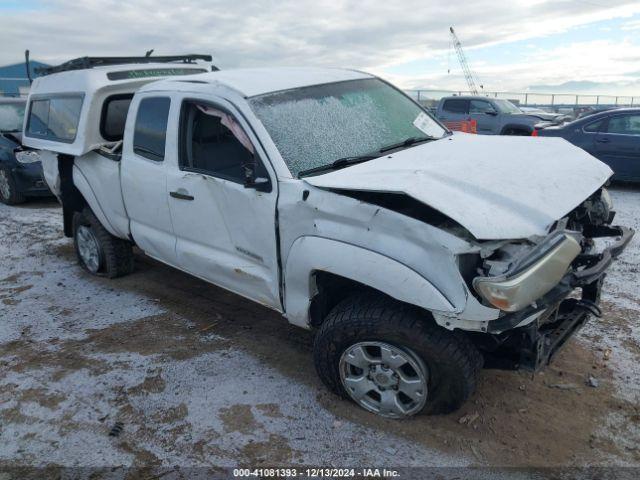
<point x="430" y="98"/>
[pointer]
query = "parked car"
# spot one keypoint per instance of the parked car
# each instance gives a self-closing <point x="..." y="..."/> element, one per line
<point x="494" y="116"/>
<point x="328" y="195"/>
<point x="20" y="171"/>
<point x="612" y="136"/>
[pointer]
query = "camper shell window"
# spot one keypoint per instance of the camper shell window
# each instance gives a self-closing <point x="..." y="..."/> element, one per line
<point x="55" y="117"/>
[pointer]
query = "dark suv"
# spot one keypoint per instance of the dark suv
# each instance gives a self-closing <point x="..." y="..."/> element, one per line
<point x="20" y="169"/>
<point x="493" y="116"/>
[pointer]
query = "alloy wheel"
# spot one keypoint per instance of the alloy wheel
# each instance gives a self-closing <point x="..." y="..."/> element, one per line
<point x="5" y="187"/>
<point x="384" y="379"/>
<point x="88" y="248"/>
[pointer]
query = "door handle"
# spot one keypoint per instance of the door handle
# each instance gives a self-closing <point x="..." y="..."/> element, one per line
<point x="181" y="195"/>
<point x="603" y="140"/>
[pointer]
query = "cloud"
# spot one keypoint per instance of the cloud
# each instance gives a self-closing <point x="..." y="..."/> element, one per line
<point x="369" y="35"/>
<point x="632" y="25"/>
<point x="608" y="64"/>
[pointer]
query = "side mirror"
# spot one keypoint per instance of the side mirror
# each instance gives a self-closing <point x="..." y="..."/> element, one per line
<point x="493" y="113"/>
<point x="259" y="184"/>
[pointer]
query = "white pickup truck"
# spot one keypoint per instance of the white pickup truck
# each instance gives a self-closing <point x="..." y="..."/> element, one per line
<point x="416" y="255"/>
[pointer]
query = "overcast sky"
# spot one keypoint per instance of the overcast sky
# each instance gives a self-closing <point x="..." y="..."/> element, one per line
<point x="512" y="45"/>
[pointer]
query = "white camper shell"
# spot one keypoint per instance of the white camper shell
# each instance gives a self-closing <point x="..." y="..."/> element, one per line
<point x="335" y="199"/>
<point x="67" y="112"/>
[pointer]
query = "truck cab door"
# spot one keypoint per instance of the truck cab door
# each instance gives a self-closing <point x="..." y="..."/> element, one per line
<point x="226" y="232"/>
<point x="454" y="110"/>
<point x="144" y="176"/>
<point x="618" y="145"/>
<point x="485" y="115"/>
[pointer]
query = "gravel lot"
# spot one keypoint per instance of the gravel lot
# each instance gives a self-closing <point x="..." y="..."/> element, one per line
<point x="195" y="376"/>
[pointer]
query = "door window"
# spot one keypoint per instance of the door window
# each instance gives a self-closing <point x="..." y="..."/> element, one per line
<point x="150" y="134"/>
<point x="624" y="124"/>
<point x="456" y="106"/>
<point x="213" y="142"/>
<point x="481" y="106"/>
<point x="593" y="126"/>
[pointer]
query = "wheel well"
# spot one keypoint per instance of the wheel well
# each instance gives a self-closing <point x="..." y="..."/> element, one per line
<point x="332" y="289"/>
<point x="516" y="130"/>
<point x="70" y="197"/>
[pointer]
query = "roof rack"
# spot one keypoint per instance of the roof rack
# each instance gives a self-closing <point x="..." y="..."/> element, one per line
<point x="90" y="62"/>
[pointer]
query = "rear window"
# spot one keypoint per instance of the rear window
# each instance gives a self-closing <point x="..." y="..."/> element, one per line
<point x="456" y="106"/>
<point x="55" y="118"/>
<point x="114" y="116"/>
<point x="151" y="128"/>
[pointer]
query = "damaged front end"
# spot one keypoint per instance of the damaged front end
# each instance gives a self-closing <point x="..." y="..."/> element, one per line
<point x="546" y="290"/>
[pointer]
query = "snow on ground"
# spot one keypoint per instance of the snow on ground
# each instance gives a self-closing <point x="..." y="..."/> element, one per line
<point x="199" y="377"/>
<point x="69" y="375"/>
<point x="621" y="297"/>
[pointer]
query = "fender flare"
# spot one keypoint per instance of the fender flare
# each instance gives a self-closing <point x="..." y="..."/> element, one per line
<point x="309" y="254"/>
<point x="83" y="186"/>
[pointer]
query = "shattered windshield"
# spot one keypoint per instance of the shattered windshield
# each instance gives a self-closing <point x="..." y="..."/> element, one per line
<point x="11" y="116"/>
<point x="315" y="126"/>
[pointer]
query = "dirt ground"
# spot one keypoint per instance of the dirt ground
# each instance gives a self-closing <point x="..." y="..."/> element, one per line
<point x="161" y="369"/>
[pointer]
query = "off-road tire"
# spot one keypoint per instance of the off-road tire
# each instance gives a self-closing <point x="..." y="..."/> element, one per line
<point x="15" y="196"/>
<point x="116" y="254"/>
<point x="453" y="362"/>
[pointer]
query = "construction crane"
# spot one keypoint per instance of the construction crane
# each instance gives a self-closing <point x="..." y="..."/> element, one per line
<point x="468" y="74"/>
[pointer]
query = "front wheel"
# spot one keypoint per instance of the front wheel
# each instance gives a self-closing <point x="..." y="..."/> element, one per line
<point x="99" y="252"/>
<point x="392" y="360"/>
<point x="9" y="194"/>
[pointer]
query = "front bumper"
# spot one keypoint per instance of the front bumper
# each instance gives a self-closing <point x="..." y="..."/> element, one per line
<point x="29" y="179"/>
<point x="533" y="346"/>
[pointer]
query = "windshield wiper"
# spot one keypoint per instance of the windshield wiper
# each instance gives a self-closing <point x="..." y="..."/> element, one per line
<point x="406" y="142"/>
<point x="337" y="164"/>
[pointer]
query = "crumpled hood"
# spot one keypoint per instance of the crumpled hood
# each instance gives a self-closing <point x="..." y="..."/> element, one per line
<point x="497" y="187"/>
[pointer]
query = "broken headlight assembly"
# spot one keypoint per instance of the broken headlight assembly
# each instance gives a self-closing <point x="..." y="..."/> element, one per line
<point x="27" y="156"/>
<point x="596" y="210"/>
<point x="531" y="277"/>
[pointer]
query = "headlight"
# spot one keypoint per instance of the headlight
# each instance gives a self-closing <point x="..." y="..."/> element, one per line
<point x="28" y="156"/>
<point x="515" y="290"/>
<point x="606" y="198"/>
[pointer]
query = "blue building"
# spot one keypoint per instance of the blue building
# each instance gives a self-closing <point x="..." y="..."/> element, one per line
<point x="14" y="77"/>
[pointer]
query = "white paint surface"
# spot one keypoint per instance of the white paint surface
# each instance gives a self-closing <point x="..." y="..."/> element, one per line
<point x="496" y="187"/>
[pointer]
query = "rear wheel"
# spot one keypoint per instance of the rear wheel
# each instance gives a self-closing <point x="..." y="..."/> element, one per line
<point x="99" y="252"/>
<point x="9" y="193"/>
<point x="392" y="360"/>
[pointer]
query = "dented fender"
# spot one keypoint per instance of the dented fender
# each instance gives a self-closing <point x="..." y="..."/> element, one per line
<point x="310" y="254"/>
